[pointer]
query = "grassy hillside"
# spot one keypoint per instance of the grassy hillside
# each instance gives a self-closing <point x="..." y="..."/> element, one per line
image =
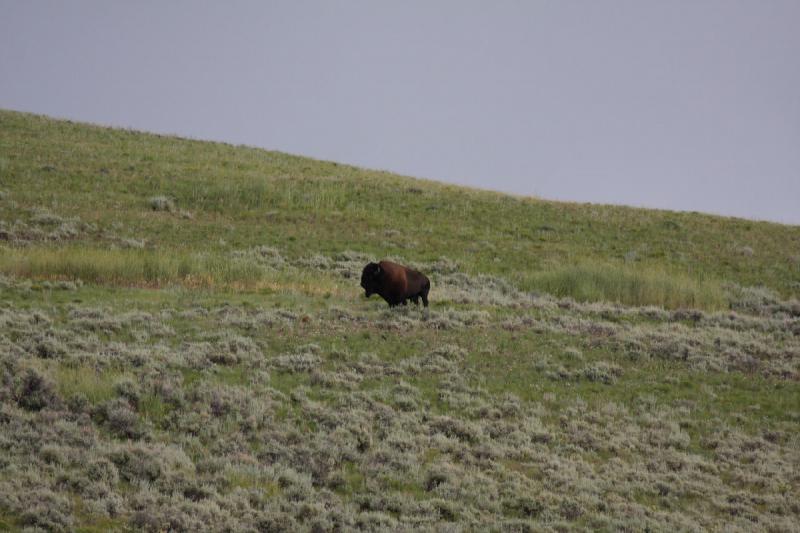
<point x="183" y="343"/>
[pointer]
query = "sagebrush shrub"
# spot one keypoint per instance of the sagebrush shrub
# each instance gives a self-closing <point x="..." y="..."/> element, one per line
<point x="161" y="203"/>
<point x="35" y="391"/>
<point x="48" y="511"/>
<point x="121" y="419"/>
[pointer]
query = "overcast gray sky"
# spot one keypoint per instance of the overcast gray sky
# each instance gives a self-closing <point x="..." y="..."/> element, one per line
<point x="680" y="104"/>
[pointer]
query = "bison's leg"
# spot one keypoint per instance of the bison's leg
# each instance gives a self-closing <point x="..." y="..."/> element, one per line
<point x="415" y="299"/>
<point x="424" y="295"/>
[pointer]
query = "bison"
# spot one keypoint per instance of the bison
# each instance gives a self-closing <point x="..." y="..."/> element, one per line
<point x="395" y="283"/>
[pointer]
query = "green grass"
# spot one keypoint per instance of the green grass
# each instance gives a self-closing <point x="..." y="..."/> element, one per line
<point x="97" y="386"/>
<point x="637" y="286"/>
<point x="9" y="522"/>
<point x="153" y="408"/>
<point x="245" y="479"/>
<point x="353" y="480"/>
<point x="128" y="267"/>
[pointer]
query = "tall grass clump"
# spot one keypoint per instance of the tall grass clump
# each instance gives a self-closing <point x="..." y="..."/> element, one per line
<point x="628" y="285"/>
<point x="93" y="385"/>
<point x="128" y="266"/>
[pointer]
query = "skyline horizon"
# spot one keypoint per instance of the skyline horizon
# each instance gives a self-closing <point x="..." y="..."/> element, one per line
<point x="394" y="172"/>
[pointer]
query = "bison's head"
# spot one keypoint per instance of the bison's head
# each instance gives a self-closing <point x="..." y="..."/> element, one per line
<point x="371" y="278"/>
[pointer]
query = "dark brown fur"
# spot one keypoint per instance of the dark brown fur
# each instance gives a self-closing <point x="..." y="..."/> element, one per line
<point x="395" y="283"/>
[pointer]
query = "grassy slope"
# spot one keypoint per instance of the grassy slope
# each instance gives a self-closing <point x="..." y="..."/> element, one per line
<point x="240" y="197"/>
<point x="501" y="405"/>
